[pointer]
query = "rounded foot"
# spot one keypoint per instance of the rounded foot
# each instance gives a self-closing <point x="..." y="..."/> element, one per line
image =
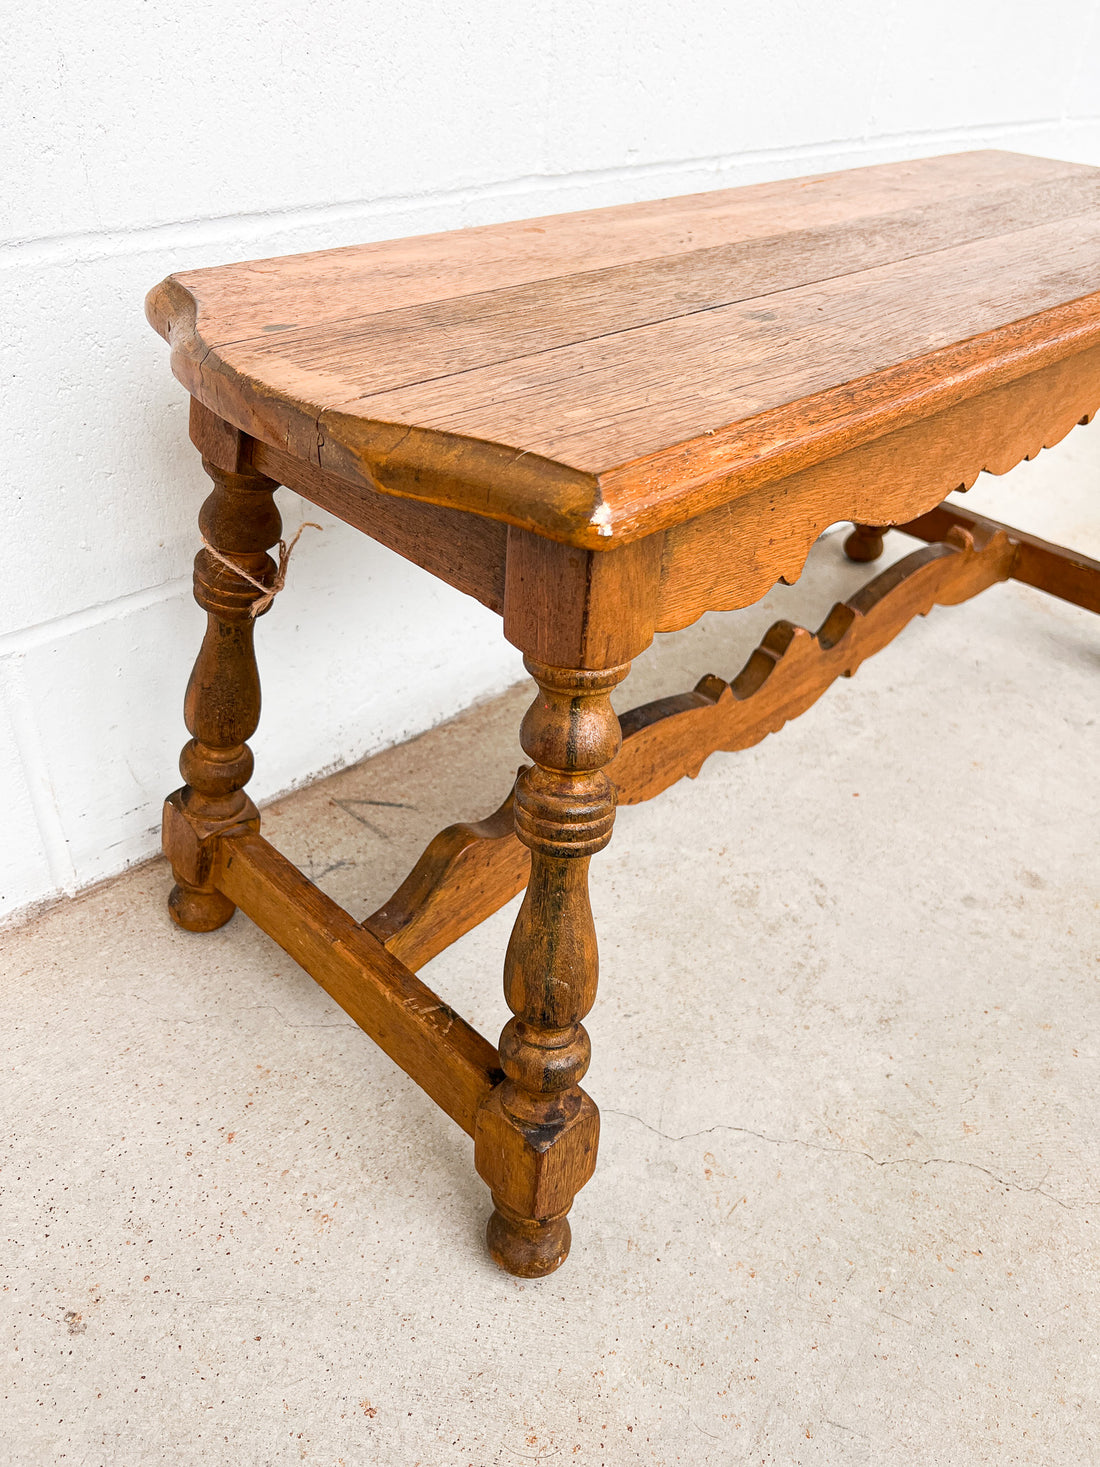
<point x="525" y="1247"/>
<point x="199" y="911"/>
<point x="864" y="543"/>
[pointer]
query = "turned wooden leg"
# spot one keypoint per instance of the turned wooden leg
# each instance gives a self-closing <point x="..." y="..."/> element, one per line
<point x="865" y="542"/>
<point x="536" y="1135"/>
<point x="222" y="703"/>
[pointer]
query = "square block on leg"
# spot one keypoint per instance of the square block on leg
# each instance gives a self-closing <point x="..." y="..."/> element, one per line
<point x="536" y="1170"/>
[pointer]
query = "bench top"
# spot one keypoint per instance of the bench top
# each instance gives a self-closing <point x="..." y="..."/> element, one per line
<point x="598" y="376"/>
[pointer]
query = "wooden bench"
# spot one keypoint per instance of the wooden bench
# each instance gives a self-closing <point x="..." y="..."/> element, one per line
<point x="602" y="425"/>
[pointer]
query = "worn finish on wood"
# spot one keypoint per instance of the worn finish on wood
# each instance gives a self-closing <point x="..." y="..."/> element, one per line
<point x="469" y="871"/>
<point x="599" y="377"/>
<point x="865" y="543"/>
<point x="454" y="886"/>
<point x="432" y="1044"/>
<point x="536" y="1136"/>
<point x="1067" y="574"/>
<point x="603" y="425"/>
<point x="222" y="703"/>
<point x="733" y="555"/>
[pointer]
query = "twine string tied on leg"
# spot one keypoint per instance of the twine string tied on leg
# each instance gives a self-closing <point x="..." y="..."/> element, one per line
<point x="278" y="581"/>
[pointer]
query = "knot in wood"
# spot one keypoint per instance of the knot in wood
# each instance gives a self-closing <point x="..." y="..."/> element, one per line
<point x="562" y="815"/>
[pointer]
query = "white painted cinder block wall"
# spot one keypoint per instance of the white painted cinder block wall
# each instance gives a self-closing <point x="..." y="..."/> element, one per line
<point x="145" y="136"/>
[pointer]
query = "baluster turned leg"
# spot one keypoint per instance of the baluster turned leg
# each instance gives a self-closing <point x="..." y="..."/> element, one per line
<point x="536" y="1136"/>
<point x="222" y="703"/>
<point x="865" y="542"/>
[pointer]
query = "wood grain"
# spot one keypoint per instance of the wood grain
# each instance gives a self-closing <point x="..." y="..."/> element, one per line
<point x="536" y="1135"/>
<point x="465" y="550"/>
<point x="599" y="405"/>
<point x="444" y="339"/>
<point x="431" y="1043"/>
<point x="1060" y="572"/>
<point x="602" y="377"/>
<point x="332" y="286"/>
<point x="732" y="555"/>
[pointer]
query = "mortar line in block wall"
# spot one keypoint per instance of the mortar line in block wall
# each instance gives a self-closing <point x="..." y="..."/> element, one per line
<point x="1086" y="52"/>
<point x="26" y="639"/>
<point x="36" y="775"/>
<point x="181" y="234"/>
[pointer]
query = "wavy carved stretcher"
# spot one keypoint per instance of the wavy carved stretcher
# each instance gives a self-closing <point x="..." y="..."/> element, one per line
<point x="603" y="425"/>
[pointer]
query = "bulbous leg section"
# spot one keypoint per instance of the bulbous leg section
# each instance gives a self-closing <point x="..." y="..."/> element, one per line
<point x="198" y="911"/>
<point x="527" y="1247"/>
<point x="865" y="543"/>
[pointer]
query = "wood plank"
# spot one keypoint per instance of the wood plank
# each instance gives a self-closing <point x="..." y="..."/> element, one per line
<point x="387" y="350"/>
<point x="433" y="1045"/>
<point x="240" y="300"/>
<point x="597" y="378"/>
<point x="599" y="405"/>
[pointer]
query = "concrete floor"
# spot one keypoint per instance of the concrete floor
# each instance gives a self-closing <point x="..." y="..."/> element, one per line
<point x="847" y="1051"/>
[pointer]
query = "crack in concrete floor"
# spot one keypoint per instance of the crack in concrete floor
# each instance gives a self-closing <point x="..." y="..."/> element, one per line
<point x="854" y="1151"/>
